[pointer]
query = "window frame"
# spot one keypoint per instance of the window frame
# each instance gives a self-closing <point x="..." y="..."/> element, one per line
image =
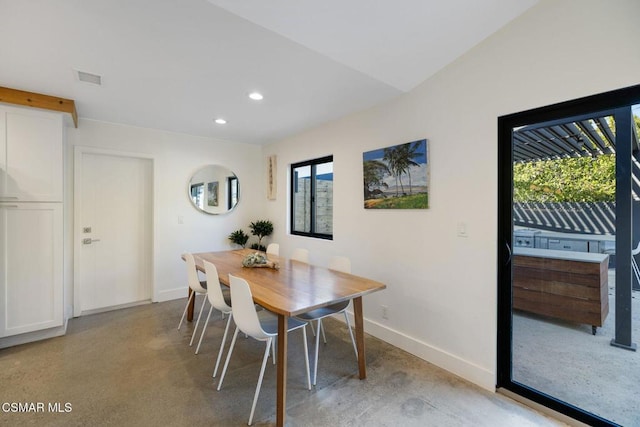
<point x="312" y="163"/>
<point x="232" y="187"/>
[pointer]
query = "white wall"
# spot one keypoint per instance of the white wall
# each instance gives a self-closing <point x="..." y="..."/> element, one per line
<point x="441" y="289"/>
<point x="176" y="158"/>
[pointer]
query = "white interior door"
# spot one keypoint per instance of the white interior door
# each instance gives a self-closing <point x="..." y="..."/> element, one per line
<point x="113" y="230"/>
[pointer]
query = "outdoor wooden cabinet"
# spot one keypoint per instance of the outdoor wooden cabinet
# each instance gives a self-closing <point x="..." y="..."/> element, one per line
<point x="571" y="286"/>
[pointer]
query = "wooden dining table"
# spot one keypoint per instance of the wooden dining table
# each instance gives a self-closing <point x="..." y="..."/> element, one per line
<point x="292" y="289"/>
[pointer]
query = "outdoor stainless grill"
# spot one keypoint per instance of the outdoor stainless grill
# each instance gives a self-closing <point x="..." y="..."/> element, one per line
<point x="524" y="238"/>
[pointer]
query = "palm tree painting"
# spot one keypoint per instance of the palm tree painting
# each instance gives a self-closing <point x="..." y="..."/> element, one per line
<point x="397" y="177"/>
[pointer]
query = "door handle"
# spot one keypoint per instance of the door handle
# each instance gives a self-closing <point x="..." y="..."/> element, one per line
<point x="509" y="253"/>
<point x="89" y="241"/>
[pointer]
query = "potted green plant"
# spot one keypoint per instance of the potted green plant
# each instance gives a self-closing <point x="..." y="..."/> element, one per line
<point x="239" y="237"/>
<point x="261" y="229"/>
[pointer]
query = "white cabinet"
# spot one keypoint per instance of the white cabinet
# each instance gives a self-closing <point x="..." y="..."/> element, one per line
<point x="31" y="155"/>
<point x="31" y="283"/>
<point x="31" y="224"/>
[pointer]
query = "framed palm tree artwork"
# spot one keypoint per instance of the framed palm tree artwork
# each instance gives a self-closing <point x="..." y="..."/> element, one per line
<point x="397" y="177"/>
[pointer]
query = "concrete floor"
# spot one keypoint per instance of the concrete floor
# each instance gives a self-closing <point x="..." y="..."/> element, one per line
<point x="566" y="361"/>
<point x="131" y="367"/>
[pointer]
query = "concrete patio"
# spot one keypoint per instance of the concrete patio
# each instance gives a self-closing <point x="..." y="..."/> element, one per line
<point x="566" y="361"/>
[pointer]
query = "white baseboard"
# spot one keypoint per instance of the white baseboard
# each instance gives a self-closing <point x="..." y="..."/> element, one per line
<point x="114" y="307"/>
<point x="33" y="336"/>
<point x="447" y="361"/>
<point x="172" y="294"/>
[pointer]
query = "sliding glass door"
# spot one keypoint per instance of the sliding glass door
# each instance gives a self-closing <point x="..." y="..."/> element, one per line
<point x="569" y="305"/>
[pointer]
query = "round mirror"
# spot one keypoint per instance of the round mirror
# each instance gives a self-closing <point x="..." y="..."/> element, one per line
<point x="214" y="189"/>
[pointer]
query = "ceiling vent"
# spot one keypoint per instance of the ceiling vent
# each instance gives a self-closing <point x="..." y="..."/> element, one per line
<point x="89" y="77"/>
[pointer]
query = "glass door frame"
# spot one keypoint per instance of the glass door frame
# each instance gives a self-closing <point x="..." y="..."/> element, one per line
<point x="608" y="101"/>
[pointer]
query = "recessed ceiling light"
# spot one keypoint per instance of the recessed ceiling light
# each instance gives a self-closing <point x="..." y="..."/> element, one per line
<point x="256" y="96"/>
<point x="221" y="121"/>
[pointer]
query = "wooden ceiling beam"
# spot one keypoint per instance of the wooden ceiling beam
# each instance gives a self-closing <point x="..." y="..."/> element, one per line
<point x="38" y="100"/>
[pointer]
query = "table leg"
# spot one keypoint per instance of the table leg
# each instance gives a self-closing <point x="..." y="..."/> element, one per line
<point x="190" y="309"/>
<point x="357" y="313"/>
<point x="281" y="405"/>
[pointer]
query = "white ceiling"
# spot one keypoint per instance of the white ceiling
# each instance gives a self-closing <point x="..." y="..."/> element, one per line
<point x="179" y="64"/>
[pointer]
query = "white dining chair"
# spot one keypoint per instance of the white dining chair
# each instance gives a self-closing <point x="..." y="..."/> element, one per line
<point x="301" y="255"/>
<point x="197" y="287"/>
<point x="273" y="249"/>
<point x="217" y="300"/>
<point x="262" y="326"/>
<point x="338" y="263"/>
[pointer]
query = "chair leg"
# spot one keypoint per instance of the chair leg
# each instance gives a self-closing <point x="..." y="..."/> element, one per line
<point x="226" y="363"/>
<point x="224" y="340"/>
<point x="204" y="328"/>
<point x="313" y="331"/>
<point x="198" y="321"/>
<point x="273" y="351"/>
<point x="264" y="363"/>
<point x="306" y="355"/>
<point x="321" y="328"/>
<point x="185" y="309"/>
<point x="315" y="360"/>
<point x="353" y="341"/>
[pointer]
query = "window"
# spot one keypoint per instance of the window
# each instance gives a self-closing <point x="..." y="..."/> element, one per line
<point x="197" y="193"/>
<point x="232" y="189"/>
<point x="312" y="198"/>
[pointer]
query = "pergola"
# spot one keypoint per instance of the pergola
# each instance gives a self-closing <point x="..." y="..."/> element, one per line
<point x="589" y="136"/>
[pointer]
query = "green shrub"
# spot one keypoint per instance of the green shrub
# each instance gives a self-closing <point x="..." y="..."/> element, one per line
<point x="239" y="238"/>
<point x="261" y="229"/>
<point x="580" y="179"/>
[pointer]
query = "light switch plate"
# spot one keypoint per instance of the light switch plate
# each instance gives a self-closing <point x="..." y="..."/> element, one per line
<point x="462" y="229"/>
